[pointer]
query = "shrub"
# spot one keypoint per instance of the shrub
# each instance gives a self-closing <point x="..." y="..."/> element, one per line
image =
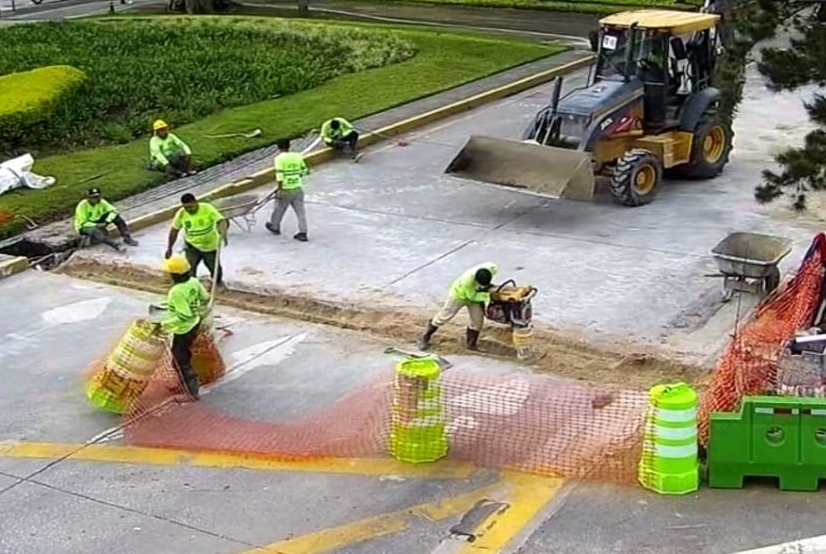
<point x="183" y="69"/>
<point x="593" y="7"/>
<point x="29" y="99"/>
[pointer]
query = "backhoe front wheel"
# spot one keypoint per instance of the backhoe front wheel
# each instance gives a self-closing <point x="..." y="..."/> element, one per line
<point x="637" y="177"/>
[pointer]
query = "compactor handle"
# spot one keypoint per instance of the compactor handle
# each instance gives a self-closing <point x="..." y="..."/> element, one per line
<point x="506" y="283"/>
<point x="531" y="294"/>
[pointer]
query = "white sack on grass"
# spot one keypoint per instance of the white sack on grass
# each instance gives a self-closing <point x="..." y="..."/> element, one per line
<point x="16" y="173"/>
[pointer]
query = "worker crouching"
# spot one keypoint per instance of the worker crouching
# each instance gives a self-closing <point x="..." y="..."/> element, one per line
<point x="469" y="290"/>
<point x="340" y="134"/>
<point x="187" y="303"/>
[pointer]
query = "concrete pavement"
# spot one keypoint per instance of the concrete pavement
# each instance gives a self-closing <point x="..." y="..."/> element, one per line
<point x="617" y="277"/>
<point x="58" y="493"/>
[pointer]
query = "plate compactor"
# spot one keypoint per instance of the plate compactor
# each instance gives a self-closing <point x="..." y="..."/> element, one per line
<point x="649" y="107"/>
<point x="511" y="305"/>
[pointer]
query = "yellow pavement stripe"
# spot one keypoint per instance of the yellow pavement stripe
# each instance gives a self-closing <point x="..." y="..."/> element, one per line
<point x="348" y="534"/>
<point x="170" y="457"/>
<point x="528" y="495"/>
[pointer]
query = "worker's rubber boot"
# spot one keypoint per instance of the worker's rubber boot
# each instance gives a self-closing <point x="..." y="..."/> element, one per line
<point x="424" y="341"/>
<point x="130" y="241"/>
<point x="301" y="237"/>
<point x="191" y="382"/>
<point x="472" y="339"/>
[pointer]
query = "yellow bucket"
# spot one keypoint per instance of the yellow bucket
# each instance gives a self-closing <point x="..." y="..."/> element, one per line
<point x="523" y="341"/>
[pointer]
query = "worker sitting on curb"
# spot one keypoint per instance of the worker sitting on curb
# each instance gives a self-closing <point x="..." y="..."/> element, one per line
<point x="290" y="169"/>
<point x="338" y="133"/>
<point x="93" y="216"/>
<point x="204" y="229"/>
<point x="469" y="290"/>
<point x="187" y="302"/>
<point x="168" y="153"/>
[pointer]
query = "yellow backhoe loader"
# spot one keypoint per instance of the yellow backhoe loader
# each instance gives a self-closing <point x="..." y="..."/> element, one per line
<point x="649" y="107"/>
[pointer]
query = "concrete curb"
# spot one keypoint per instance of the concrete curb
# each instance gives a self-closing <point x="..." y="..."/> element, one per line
<point x="10" y="265"/>
<point x="318" y="157"/>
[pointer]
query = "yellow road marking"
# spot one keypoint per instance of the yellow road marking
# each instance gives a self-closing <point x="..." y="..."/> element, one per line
<point x="528" y="495"/>
<point x="170" y="457"/>
<point x="348" y="534"/>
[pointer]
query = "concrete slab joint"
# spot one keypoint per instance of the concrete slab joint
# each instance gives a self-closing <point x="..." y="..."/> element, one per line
<point x="422" y="120"/>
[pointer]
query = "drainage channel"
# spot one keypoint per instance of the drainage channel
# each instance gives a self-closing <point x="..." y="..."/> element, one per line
<point x="41" y="255"/>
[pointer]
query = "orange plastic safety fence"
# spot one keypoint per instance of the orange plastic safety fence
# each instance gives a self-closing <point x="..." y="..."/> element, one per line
<point x="749" y="365"/>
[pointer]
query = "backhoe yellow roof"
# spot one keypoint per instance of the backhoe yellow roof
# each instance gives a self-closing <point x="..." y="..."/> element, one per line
<point x="677" y="22"/>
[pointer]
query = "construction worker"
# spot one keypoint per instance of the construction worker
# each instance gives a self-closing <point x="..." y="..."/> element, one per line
<point x="290" y="169"/>
<point x="204" y="229"/>
<point x="168" y="153"/>
<point x="469" y="290"/>
<point x="187" y="302"/>
<point x="338" y="133"/>
<point x="94" y="214"/>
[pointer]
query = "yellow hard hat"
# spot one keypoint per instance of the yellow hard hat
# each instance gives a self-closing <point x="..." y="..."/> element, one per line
<point x="177" y="265"/>
<point x="159" y="124"/>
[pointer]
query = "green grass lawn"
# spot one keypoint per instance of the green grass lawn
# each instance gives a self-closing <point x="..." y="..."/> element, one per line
<point x="442" y="61"/>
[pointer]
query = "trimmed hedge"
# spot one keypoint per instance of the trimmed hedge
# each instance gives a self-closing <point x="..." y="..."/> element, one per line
<point x="183" y="69"/>
<point x="591" y="7"/>
<point x="30" y="99"/>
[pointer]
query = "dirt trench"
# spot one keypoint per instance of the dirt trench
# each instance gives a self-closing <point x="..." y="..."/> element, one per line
<point x="552" y="353"/>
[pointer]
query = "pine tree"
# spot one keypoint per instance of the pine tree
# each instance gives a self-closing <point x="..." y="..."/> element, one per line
<point x="803" y="168"/>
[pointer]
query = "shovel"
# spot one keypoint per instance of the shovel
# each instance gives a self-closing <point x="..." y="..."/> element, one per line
<point x="251" y="134"/>
<point x="419" y="355"/>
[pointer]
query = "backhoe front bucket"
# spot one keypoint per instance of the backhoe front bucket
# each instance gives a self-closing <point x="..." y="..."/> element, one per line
<point x="547" y="170"/>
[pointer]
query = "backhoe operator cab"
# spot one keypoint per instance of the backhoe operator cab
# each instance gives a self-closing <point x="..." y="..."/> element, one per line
<point x="649" y="107"/>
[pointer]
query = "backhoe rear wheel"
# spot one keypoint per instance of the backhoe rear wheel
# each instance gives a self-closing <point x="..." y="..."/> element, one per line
<point x="710" y="148"/>
<point x="637" y="177"/>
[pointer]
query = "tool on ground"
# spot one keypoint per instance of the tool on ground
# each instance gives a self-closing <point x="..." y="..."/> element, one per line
<point x="241" y="209"/>
<point x="400" y="141"/>
<point x="31" y="225"/>
<point x="511" y="305"/>
<point x="748" y="263"/>
<point x="252" y="134"/>
<point x="443" y="362"/>
<point x="634" y="119"/>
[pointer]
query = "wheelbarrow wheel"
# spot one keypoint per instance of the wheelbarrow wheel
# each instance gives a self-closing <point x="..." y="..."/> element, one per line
<point x="772" y="280"/>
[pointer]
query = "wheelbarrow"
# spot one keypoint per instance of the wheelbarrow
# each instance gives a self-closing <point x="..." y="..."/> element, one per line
<point x="748" y="263"/>
<point x="241" y="209"/>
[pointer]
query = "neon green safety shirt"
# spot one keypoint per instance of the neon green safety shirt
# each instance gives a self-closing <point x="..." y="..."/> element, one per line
<point x="290" y="168"/>
<point x="160" y="149"/>
<point x="185" y="305"/>
<point x="200" y="228"/>
<point x="329" y="134"/>
<point x="464" y="288"/>
<point x="88" y="214"/>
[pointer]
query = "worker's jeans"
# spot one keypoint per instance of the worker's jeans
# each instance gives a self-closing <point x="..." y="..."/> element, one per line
<point x="176" y="160"/>
<point x="195" y="257"/>
<point x="101" y="236"/>
<point x="182" y="355"/>
<point x="347" y="142"/>
<point x="291" y="198"/>
<point x="452" y="307"/>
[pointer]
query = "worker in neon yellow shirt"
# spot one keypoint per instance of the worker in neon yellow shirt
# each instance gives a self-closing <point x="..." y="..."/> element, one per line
<point x="290" y="169"/>
<point x="204" y="228"/>
<point x="469" y="290"/>
<point x="94" y="214"/>
<point x="168" y="153"/>
<point x="187" y="303"/>
<point x="338" y="133"/>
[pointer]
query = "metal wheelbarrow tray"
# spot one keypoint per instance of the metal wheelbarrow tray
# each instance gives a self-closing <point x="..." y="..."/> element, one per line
<point x="241" y="209"/>
<point x="748" y="262"/>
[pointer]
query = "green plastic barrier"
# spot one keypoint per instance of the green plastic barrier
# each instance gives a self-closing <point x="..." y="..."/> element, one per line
<point x="771" y="436"/>
<point x="417" y="428"/>
<point x="669" y="462"/>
